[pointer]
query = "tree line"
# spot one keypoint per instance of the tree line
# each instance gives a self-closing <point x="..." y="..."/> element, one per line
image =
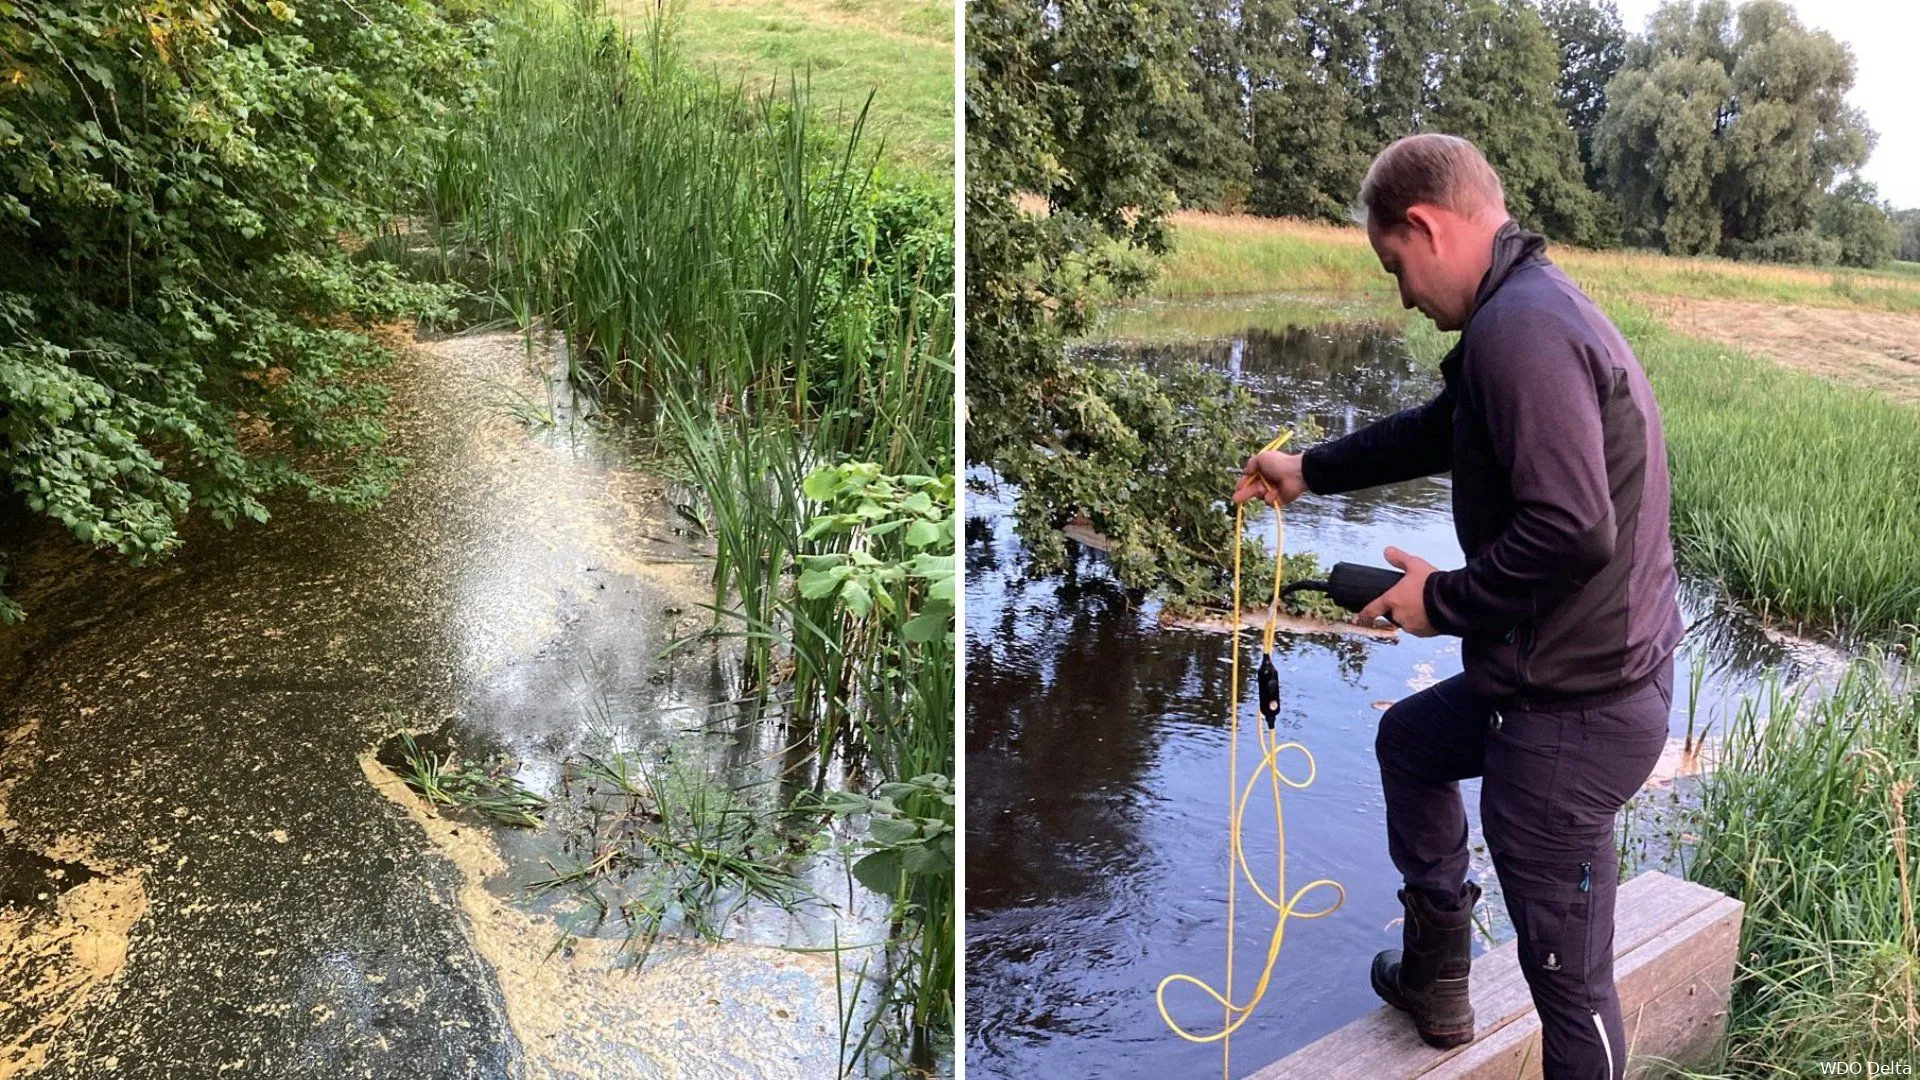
<point x="1717" y="129"/>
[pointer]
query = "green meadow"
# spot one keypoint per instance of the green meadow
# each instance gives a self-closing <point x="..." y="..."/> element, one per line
<point x="900" y="50"/>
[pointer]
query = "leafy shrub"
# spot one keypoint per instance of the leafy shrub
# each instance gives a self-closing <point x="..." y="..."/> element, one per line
<point x="181" y="323"/>
<point x="1851" y="215"/>
<point x="1802" y="246"/>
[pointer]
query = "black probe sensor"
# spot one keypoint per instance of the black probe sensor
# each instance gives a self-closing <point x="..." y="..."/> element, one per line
<point x="1350" y="585"/>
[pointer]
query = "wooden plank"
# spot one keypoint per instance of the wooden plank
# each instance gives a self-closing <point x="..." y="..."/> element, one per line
<point x="1668" y="1000"/>
<point x="1688" y="1023"/>
<point x="1081" y="531"/>
<point x="1221" y="622"/>
<point x="1383" y="1043"/>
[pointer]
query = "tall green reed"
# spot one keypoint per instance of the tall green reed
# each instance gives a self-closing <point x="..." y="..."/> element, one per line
<point x="740" y="272"/>
<point x="1807" y="818"/>
<point x="1796" y="493"/>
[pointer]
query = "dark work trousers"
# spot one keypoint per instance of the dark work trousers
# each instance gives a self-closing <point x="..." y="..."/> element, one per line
<point x="1553" y="781"/>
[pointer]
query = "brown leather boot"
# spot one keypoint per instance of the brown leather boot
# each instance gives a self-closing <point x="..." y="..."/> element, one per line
<point x="1427" y="975"/>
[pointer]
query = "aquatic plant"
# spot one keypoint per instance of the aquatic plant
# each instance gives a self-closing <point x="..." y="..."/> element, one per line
<point x="908" y="856"/>
<point x="666" y="846"/>
<point x="489" y="791"/>
<point x="880" y="575"/>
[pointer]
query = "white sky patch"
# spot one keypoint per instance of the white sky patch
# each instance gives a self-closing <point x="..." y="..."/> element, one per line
<point x="1882" y="33"/>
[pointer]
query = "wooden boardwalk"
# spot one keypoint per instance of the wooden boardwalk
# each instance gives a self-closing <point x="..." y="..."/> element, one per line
<point x="1675" y="944"/>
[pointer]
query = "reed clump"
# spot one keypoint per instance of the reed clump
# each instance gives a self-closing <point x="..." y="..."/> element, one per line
<point x="741" y="275"/>
<point x="1797" y="494"/>
<point x="1807" y="817"/>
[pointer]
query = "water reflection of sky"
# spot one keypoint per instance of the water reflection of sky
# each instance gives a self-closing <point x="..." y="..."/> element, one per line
<point x="1096" y="757"/>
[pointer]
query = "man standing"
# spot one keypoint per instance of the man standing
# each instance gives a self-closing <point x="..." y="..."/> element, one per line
<point x="1566" y="606"/>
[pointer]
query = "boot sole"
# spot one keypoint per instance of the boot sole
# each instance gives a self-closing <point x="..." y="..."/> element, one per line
<point x="1438" y="1036"/>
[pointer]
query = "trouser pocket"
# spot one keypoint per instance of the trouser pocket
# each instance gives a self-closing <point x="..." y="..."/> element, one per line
<point x="1520" y="794"/>
<point x="1552" y="904"/>
<point x="1556" y="780"/>
<point x="1562" y="913"/>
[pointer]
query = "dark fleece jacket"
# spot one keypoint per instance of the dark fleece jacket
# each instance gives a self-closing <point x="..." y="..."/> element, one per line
<point x="1560" y="489"/>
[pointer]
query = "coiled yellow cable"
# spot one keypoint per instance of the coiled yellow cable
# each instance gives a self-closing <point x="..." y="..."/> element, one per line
<point x="1240" y="797"/>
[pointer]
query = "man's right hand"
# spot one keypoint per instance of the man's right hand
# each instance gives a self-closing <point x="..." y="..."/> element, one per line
<point x="1271" y="476"/>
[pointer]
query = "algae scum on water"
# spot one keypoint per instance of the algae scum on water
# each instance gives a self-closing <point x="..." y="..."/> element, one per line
<point x="206" y="870"/>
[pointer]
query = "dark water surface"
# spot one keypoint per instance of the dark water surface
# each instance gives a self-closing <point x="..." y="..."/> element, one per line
<point x="1097" y="757"/>
<point x="190" y="734"/>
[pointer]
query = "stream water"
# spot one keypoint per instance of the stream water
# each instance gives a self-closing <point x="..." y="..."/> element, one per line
<point x="204" y="870"/>
<point x="1096" y="757"/>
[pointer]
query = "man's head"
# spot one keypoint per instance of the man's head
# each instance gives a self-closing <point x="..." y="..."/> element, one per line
<point x="1432" y="205"/>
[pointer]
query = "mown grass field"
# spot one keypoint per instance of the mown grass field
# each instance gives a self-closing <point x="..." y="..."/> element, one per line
<point x="901" y="50"/>
<point x="1794" y="489"/>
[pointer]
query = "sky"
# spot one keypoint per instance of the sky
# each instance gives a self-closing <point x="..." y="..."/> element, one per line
<point x="1883" y="34"/>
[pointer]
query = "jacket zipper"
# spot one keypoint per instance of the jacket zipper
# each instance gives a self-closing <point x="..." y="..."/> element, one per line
<point x="1586" y="877"/>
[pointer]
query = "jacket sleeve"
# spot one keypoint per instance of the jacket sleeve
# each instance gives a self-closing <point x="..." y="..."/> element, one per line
<point x="1539" y="394"/>
<point x="1411" y="443"/>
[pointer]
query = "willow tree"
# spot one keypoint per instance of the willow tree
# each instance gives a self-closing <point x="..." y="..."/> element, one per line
<point x="1592" y="47"/>
<point x="1724" y="128"/>
<point x="1499" y="87"/>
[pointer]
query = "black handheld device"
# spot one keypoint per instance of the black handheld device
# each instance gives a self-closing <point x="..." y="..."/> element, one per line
<point x="1350" y="585"/>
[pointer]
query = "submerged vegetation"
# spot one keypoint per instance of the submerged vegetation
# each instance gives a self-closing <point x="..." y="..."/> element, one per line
<point x="663" y="846"/>
<point x="754" y="287"/>
<point x="490" y="791"/>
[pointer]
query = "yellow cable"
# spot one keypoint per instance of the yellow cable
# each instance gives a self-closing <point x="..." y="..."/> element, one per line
<point x="1239" y="798"/>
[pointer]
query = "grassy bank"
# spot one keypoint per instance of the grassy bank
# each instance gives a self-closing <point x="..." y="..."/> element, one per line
<point x="1809" y="819"/>
<point x="1219" y="255"/>
<point x="902" y="49"/>
<point x="1794" y="492"/>
<point x="730" y="269"/>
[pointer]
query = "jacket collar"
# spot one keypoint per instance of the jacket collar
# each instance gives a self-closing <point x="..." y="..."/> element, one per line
<point x="1513" y="248"/>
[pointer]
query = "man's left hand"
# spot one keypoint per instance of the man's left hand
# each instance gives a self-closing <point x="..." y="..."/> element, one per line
<point x="1406" y="602"/>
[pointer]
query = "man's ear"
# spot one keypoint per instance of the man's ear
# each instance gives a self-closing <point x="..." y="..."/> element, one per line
<point x="1423" y="223"/>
